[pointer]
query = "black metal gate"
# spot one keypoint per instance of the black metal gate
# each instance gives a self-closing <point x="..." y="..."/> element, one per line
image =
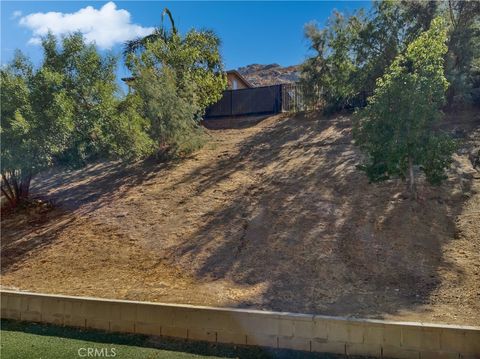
<point x="250" y="101"/>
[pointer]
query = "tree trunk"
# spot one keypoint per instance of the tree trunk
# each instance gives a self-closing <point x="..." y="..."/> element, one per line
<point x="15" y="187"/>
<point x="413" y="187"/>
<point x="9" y="198"/>
<point x="8" y="191"/>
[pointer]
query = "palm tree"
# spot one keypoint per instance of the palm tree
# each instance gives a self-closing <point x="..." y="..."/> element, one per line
<point x="160" y="32"/>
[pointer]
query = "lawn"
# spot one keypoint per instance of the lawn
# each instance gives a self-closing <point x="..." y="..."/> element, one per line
<point x="30" y="340"/>
<point x="39" y="341"/>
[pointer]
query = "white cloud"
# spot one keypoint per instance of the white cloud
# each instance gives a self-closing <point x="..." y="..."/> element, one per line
<point x="35" y="41"/>
<point x="106" y="27"/>
<point x="16" y="14"/>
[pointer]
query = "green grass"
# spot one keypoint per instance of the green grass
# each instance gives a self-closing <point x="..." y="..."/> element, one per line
<point x="36" y="341"/>
<point x="30" y="340"/>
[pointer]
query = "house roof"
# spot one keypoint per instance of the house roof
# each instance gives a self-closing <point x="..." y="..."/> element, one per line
<point x="236" y="73"/>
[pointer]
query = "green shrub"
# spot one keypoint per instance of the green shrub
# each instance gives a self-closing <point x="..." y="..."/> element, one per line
<point x="395" y="130"/>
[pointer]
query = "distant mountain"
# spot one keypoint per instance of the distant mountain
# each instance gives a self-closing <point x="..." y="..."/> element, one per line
<point x="264" y="75"/>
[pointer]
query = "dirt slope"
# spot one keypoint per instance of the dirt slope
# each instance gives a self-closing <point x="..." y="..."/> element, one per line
<point x="274" y="216"/>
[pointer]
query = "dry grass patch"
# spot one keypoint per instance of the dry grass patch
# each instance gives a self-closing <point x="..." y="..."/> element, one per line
<point x="273" y="216"/>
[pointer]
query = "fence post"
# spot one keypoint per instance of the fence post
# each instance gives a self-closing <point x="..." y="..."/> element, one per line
<point x="281" y="98"/>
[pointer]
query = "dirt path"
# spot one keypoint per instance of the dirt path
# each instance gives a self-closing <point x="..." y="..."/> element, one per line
<point x="273" y="216"/>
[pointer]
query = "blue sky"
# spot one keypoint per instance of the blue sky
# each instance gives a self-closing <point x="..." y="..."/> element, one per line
<point x="251" y="32"/>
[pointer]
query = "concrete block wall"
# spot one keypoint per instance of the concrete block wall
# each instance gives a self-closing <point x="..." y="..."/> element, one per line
<point x="383" y="339"/>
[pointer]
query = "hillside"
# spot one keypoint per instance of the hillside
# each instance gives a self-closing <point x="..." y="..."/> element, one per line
<point x="264" y="75"/>
<point x="275" y="216"/>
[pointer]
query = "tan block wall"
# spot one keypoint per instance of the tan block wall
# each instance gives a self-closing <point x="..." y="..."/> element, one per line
<point x="248" y="327"/>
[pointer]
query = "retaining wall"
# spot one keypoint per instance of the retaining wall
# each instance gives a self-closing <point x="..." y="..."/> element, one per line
<point x="317" y="333"/>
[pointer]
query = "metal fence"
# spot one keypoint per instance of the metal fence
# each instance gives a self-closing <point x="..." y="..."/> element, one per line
<point x="250" y="101"/>
<point x="290" y="97"/>
<point x="259" y="101"/>
<point x="293" y="99"/>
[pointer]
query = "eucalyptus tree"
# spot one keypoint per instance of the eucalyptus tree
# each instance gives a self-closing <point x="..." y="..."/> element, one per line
<point x="67" y="111"/>
<point x="37" y="121"/>
<point x="101" y="130"/>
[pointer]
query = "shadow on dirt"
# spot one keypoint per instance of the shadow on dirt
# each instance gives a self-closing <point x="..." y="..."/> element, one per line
<point x="233" y="122"/>
<point x="316" y="232"/>
<point x="309" y="227"/>
<point x="74" y="193"/>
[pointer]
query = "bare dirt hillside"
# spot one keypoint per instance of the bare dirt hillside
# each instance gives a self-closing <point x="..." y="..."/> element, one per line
<point x="272" y="74"/>
<point x="273" y="216"/>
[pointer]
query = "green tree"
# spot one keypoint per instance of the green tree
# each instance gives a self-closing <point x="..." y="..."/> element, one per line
<point x="168" y="100"/>
<point x="159" y="33"/>
<point x="381" y="37"/>
<point x="463" y="56"/>
<point x="328" y="76"/>
<point x="37" y="121"/>
<point x="67" y="111"/>
<point x="352" y="52"/>
<point x="396" y="129"/>
<point x="103" y="126"/>
<point x="417" y="15"/>
<point x="176" y="77"/>
<point x="194" y="57"/>
<point x="315" y="69"/>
